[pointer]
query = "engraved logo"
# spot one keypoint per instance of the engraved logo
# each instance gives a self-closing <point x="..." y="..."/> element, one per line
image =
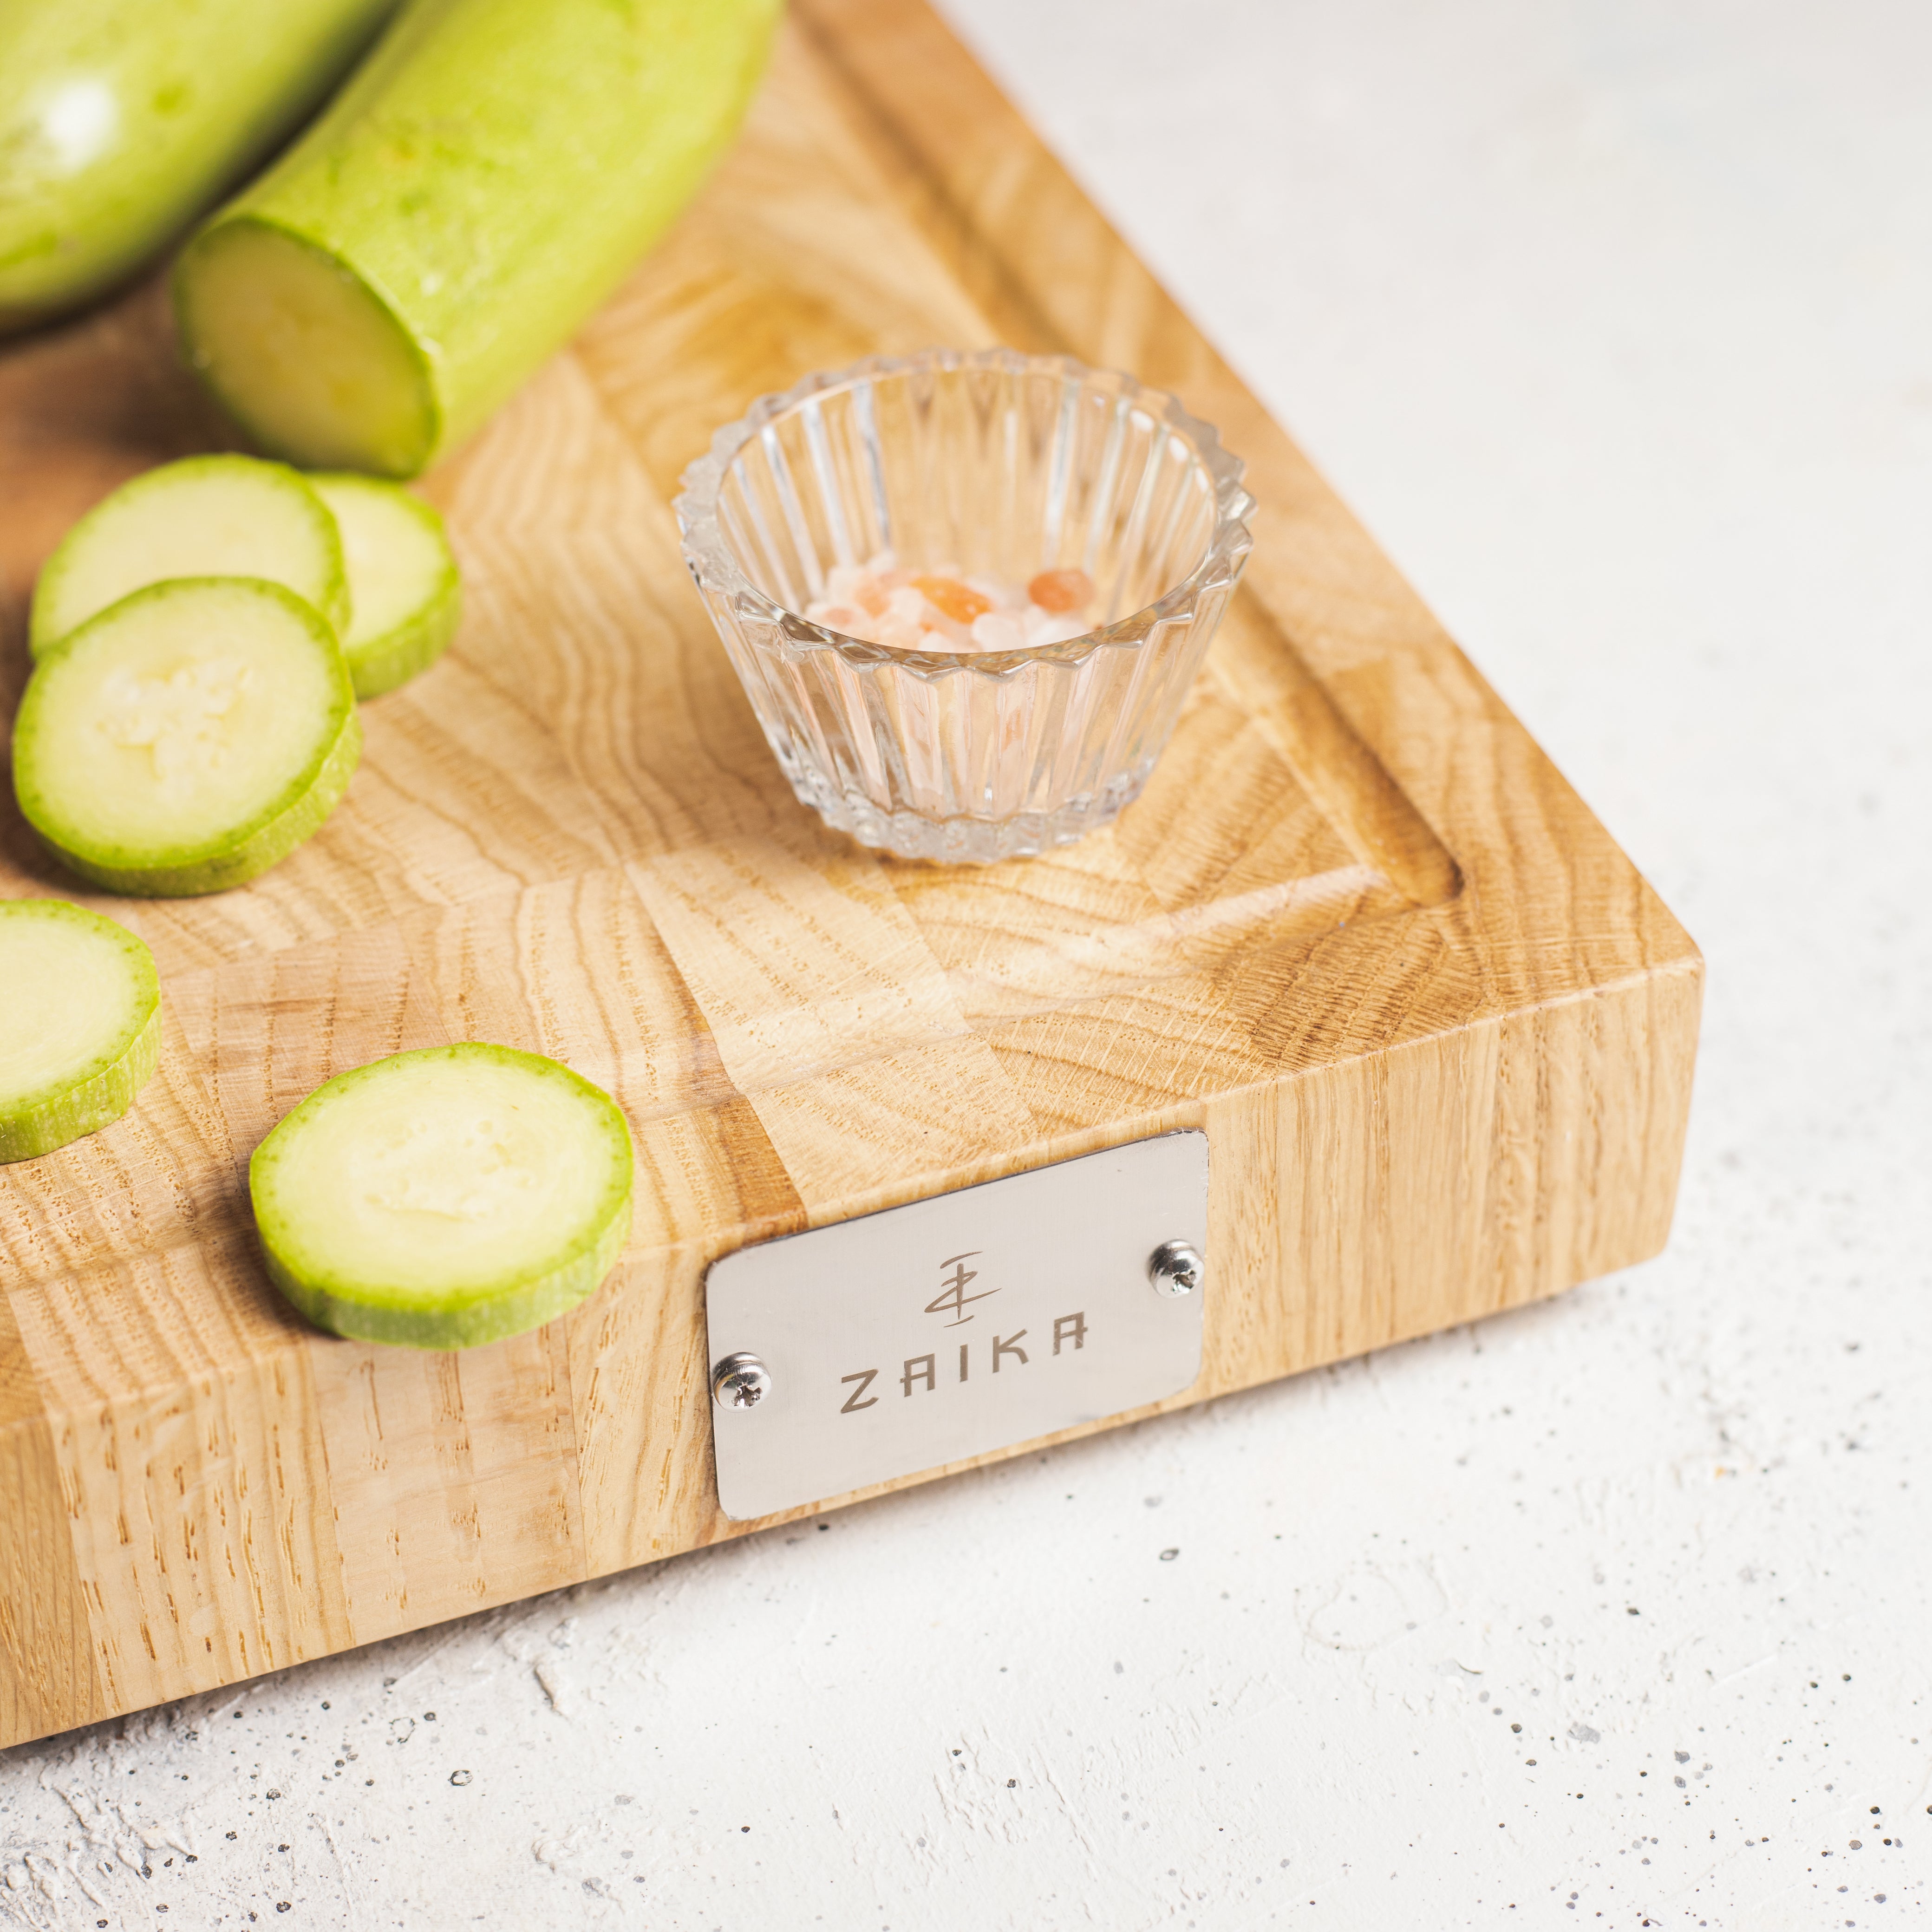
<point x="953" y="1297"/>
<point x="923" y="1373"/>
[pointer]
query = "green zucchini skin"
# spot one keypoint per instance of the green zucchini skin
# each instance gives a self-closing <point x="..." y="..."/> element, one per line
<point x="233" y="860"/>
<point x="39" y="1125"/>
<point x="96" y="1103"/>
<point x="380" y="663"/>
<point x="412" y="648"/>
<point x="122" y="120"/>
<point x="331" y="593"/>
<point x="463" y="1316"/>
<point x="487" y="177"/>
<point x="268" y="846"/>
<point x="531" y="1304"/>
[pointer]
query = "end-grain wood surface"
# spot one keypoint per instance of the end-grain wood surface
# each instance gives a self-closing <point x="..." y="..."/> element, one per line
<point x="1438" y="1030"/>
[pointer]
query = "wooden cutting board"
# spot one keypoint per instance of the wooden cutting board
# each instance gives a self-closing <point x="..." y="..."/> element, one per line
<point x="1438" y="1030"/>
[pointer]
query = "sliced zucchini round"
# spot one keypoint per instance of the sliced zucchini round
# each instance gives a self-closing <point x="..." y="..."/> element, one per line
<point x="188" y="737"/>
<point x="80" y="1024"/>
<point x="404" y="595"/>
<point x="206" y="516"/>
<point x="445" y="1197"/>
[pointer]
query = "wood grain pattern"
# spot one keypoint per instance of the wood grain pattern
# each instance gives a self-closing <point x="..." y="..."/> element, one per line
<point x="1358" y="928"/>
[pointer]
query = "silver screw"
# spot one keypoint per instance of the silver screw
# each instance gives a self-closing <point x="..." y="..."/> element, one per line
<point x="740" y="1381"/>
<point x="1176" y="1268"/>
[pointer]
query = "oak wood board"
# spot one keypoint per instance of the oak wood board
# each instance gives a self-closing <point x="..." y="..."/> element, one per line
<point x="1439" y="1031"/>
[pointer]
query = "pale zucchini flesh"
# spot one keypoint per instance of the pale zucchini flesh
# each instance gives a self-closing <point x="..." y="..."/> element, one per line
<point x="305" y="355"/>
<point x="188" y="737"/>
<point x="445" y="1197"/>
<point x="205" y="516"/>
<point x="80" y="1025"/>
<point x="405" y="596"/>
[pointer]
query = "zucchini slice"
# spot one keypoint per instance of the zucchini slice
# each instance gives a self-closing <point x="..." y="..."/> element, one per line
<point x="188" y="737"/>
<point x="80" y="1026"/>
<point x="205" y="516"/>
<point x="444" y="1198"/>
<point x="404" y="595"/>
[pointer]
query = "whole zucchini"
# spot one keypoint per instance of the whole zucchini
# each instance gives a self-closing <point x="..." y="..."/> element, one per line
<point x="122" y="120"/>
<point x="484" y="180"/>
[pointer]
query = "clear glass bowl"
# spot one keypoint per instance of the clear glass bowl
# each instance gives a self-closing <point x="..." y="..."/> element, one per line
<point x="1000" y="465"/>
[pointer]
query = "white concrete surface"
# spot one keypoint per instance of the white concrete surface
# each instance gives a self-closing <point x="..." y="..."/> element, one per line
<point x="1614" y="318"/>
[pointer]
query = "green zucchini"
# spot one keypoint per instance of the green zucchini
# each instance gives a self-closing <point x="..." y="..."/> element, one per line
<point x="188" y="737"/>
<point x="488" y="176"/>
<point x="405" y="596"/>
<point x="80" y="1024"/>
<point x="122" y="120"/>
<point x="205" y="516"/>
<point x="444" y="1198"/>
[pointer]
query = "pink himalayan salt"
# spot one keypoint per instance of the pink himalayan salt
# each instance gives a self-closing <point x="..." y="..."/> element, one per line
<point x="878" y="603"/>
<point x="1059" y="590"/>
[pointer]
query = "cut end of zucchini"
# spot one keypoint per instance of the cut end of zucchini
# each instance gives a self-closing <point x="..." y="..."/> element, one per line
<point x="404" y="591"/>
<point x="206" y="516"/>
<point x="188" y="737"/>
<point x="79" y="1024"/>
<point x="302" y="352"/>
<point x="444" y="1198"/>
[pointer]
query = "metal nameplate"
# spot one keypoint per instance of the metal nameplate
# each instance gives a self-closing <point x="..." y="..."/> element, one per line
<point x="902" y="1341"/>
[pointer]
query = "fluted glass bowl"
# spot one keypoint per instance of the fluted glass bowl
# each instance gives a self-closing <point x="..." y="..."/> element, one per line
<point x="994" y="464"/>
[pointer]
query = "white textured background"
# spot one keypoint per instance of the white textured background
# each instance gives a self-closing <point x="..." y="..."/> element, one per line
<point x="1614" y="319"/>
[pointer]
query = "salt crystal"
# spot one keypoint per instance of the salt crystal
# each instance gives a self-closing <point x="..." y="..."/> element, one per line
<point x="901" y="634"/>
<point x="1001" y="596"/>
<point x="848" y="583"/>
<point x="1043" y="628"/>
<point x="993" y="631"/>
<point x="849" y="618"/>
<point x="1061" y="591"/>
<point x="879" y="603"/>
